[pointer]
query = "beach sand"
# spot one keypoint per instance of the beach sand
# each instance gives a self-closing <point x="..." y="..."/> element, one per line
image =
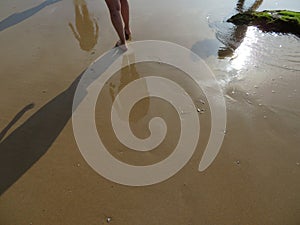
<point x="44" y="177"/>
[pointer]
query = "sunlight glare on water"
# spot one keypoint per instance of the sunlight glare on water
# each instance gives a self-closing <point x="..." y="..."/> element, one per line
<point x="244" y="53"/>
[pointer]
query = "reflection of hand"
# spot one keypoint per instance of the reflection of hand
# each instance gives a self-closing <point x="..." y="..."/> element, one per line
<point x="74" y="31"/>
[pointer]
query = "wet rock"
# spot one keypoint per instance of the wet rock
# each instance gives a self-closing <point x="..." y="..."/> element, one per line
<point x="282" y="21"/>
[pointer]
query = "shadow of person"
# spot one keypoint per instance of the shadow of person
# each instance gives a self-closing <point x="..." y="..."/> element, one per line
<point x="87" y="27"/>
<point x="27" y="143"/>
<point x="15" y="119"/>
<point x="19" y="17"/>
<point x="236" y="35"/>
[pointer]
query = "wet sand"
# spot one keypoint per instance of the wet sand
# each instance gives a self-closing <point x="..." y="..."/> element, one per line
<point x="255" y="177"/>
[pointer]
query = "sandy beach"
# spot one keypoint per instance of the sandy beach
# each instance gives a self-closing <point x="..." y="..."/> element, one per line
<point x="44" y="178"/>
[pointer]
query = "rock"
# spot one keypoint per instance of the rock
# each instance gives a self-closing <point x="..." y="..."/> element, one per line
<point x="282" y="21"/>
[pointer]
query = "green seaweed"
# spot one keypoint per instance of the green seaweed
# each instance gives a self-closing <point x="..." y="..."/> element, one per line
<point x="290" y="16"/>
<point x="270" y="20"/>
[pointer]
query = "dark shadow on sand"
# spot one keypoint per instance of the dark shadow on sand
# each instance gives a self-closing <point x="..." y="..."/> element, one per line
<point x="15" y="119"/>
<point x="30" y="141"/>
<point x="19" y="17"/>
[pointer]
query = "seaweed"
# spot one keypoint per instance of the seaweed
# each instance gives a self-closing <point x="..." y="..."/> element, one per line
<point x="282" y="21"/>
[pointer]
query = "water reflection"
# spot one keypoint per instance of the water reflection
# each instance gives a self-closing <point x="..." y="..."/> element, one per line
<point x="236" y="35"/>
<point x="244" y="51"/>
<point x="129" y="74"/>
<point x="87" y="28"/>
<point x="19" y="17"/>
<point x="206" y="48"/>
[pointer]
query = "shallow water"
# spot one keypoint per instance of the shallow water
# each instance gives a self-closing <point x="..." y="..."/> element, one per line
<point x="44" y="49"/>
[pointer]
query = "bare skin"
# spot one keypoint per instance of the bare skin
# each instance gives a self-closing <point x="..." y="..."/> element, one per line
<point x="119" y="14"/>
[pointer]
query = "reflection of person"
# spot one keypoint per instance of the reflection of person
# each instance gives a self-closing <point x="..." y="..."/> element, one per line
<point x="119" y="13"/>
<point x="235" y="38"/>
<point x="87" y="28"/>
<point x="128" y="75"/>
